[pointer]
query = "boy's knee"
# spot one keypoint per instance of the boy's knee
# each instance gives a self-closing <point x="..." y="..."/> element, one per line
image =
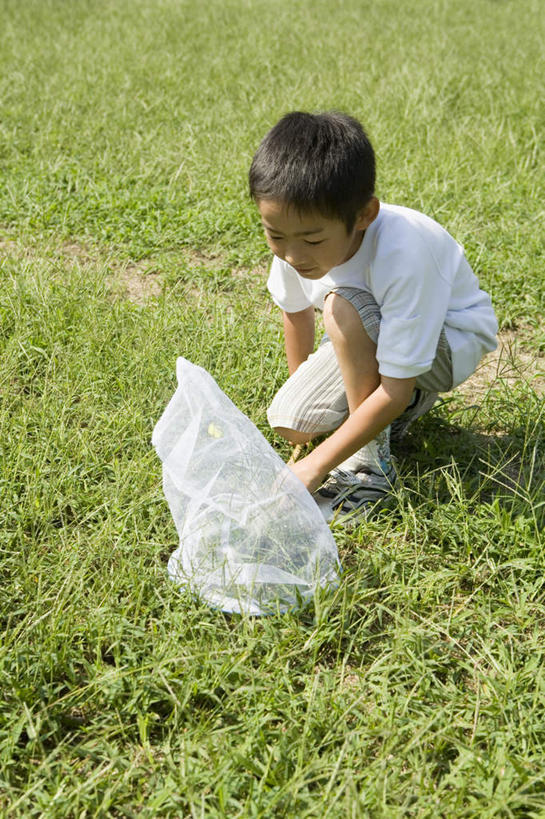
<point x="293" y="435"/>
<point x="340" y="317"/>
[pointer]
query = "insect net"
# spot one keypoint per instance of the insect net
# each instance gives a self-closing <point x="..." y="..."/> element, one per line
<point x="251" y="537"/>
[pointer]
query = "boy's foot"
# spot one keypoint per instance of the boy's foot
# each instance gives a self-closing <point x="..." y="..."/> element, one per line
<point x="421" y="403"/>
<point x="349" y="497"/>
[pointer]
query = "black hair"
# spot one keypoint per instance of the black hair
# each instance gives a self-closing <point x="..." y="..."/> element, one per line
<point x="316" y="162"/>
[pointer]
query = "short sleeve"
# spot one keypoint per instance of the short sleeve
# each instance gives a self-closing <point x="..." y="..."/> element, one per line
<point x="285" y="288"/>
<point x="413" y="301"/>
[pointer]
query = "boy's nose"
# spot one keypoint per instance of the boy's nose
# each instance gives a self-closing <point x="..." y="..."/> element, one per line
<point x="293" y="259"/>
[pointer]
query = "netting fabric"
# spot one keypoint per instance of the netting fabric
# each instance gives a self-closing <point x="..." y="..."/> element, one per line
<point x="252" y="539"/>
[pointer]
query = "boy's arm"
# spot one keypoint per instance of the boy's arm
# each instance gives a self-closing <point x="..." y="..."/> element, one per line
<point x="298" y="336"/>
<point x="383" y="406"/>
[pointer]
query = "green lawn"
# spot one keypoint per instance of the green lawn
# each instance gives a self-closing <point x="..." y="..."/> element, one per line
<point x="126" y="239"/>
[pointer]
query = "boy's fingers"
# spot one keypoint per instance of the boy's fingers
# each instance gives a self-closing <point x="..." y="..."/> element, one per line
<point x="295" y="453"/>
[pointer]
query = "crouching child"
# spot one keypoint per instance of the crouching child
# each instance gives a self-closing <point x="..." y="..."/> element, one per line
<point x="404" y="316"/>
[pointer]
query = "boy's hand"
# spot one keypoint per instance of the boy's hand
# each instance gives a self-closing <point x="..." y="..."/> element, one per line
<point x="307" y="473"/>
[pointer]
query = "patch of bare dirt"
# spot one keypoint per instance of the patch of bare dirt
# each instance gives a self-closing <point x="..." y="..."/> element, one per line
<point x="138" y="284"/>
<point x="10" y="248"/>
<point x="198" y="258"/>
<point x="72" y="251"/>
<point x="140" y="281"/>
<point x="78" y="252"/>
<point x="509" y="363"/>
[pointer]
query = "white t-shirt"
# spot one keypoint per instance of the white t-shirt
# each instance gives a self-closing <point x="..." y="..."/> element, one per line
<point x="422" y="282"/>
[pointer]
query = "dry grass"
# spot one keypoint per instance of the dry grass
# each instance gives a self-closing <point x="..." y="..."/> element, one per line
<point x="511" y="362"/>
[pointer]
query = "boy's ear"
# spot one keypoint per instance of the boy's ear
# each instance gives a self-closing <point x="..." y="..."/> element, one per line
<point x="367" y="214"/>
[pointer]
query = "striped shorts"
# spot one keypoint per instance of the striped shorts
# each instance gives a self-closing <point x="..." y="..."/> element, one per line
<point x="313" y="399"/>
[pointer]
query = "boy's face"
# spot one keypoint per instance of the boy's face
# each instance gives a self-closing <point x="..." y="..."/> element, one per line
<point x="310" y="242"/>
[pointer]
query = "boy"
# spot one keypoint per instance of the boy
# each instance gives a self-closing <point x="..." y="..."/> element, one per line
<point x="403" y="313"/>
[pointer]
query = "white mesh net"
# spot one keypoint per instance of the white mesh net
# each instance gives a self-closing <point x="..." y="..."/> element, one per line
<point x="252" y="539"/>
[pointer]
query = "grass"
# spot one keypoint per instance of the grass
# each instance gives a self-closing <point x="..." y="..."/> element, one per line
<point x="418" y="687"/>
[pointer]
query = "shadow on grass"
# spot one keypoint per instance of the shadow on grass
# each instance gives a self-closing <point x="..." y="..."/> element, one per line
<point x="487" y="465"/>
